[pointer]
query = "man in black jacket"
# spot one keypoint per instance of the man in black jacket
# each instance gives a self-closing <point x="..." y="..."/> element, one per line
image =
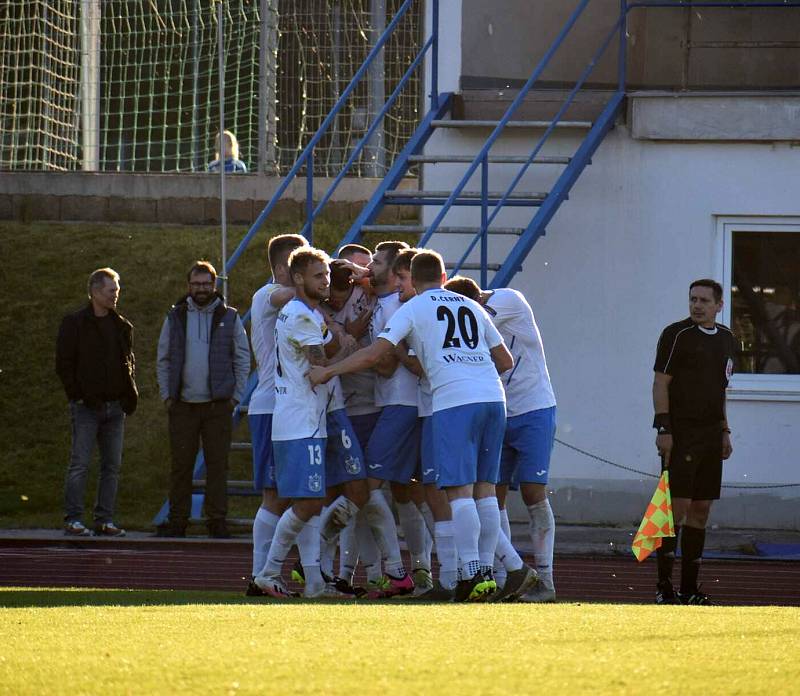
<point x="95" y="362"/>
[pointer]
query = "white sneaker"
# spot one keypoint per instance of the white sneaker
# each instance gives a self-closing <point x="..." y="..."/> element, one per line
<point x="76" y="528"/>
<point x="327" y="591"/>
<point x="273" y="586"/>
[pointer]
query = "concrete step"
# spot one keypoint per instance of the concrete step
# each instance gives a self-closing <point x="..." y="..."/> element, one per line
<point x="421" y="229"/>
<point x="493" y="159"/>
<point x="477" y="124"/>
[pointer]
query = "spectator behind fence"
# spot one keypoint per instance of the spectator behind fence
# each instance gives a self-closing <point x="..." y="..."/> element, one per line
<point x="203" y="363"/>
<point x="95" y="362"/>
<point x="233" y="165"/>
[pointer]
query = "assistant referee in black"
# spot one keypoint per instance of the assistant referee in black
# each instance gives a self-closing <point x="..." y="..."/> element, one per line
<point x="694" y="362"/>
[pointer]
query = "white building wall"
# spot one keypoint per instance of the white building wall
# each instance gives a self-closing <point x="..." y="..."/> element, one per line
<point x="612" y="271"/>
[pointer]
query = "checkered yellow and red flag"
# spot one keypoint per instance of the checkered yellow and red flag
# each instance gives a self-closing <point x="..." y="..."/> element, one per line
<point x="657" y="522"/>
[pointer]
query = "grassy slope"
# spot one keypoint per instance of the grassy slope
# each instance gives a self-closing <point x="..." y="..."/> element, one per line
<point x="194" y="643"/>
<point x="44" y="273"/>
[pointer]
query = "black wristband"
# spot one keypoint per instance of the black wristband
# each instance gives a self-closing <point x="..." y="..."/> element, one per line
<point x="662" y="423"/>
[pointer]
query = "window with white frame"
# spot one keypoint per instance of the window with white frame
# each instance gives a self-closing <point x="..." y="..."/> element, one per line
<point x="761" y="260"/>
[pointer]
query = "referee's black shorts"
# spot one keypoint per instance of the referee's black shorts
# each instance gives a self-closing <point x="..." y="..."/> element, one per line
<point x="695" y="468"/>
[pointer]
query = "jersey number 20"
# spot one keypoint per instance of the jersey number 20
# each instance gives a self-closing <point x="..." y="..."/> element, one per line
<point x="467" y="327"/>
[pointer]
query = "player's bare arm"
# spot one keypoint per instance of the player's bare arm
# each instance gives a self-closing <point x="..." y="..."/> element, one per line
<point x="316" y="355"/>
<point x="278" y="298"/>
<point x="359" y="272"/>
<point x="360" y="325"/>
<point x="363" y="359"/>
<point x="727" y="447"/>
<point x="410" y="362"/>
<point x="661" y="406"/>
<point x="502" y="358"/>
<point x="387" y="365"/>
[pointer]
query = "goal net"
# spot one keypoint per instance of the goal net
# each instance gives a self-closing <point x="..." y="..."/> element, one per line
<point x="156" y="76"/>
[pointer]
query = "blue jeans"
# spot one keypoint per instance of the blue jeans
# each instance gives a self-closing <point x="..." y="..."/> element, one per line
<point x="105" y="426"/>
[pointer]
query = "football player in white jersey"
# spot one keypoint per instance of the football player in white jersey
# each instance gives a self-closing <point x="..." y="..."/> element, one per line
<point x="350" y="306"/>
<point x="531" y="424"/>
<point x="299" y="424"/>
<point x="267" y="302"/>
<point x="393" y="448"/>
<point x="437" y="505"/>
<point x="461" y="352"/>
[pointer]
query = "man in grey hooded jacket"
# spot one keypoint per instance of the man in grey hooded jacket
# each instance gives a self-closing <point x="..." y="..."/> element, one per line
<point x="203" y="364"/>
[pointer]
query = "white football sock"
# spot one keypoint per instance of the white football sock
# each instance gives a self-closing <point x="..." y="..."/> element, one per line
<point x="348" y="551"/>
<point x="446" y="553"/>
<point x="263" y="530"/>
<point x="327" y="552"/>
<point x="335" y="517"/>
<point x="381" y="521"/>
<point x="413" y="525"/>
<point x="543" y="534"/>
<point x="368" y="552"/>
<point x="466" y="532"/>
<point x="289" y="526"/>
<point x="489" y="515"/>
<point x="427" y="515"/>
<point x="308" y="544"/>
<point x="507" y="554"/>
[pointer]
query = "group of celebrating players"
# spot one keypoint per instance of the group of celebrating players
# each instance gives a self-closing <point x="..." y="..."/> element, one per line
<point x="373" y="370"/>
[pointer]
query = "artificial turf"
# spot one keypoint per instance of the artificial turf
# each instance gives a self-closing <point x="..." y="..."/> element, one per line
<point x="166" y="642"/>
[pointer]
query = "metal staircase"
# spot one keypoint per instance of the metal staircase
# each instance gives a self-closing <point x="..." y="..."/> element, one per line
<point x="492" y="249"/>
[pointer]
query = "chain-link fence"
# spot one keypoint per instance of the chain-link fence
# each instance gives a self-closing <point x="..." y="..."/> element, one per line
<point x="132" y="85"/>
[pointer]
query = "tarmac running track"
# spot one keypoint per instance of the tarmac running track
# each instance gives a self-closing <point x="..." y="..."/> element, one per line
<point x="225" y="566"/>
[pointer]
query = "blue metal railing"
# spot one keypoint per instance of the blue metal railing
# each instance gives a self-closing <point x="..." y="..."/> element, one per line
<point x="306" y="158"/>
<point x="481" y="158"/>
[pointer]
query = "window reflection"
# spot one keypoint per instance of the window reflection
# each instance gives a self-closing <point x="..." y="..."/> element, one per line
<point x="765" y="301"/>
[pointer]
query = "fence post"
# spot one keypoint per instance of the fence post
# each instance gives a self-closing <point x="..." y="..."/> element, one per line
<point x="310" y="196"/>
<point x="267" y="80"/>
<point x="623" y="45"/>
<point x="222" y="196"/>
<point x="375" y="152"/>
<point x="90" y="84"/>
<point x="435" y="56"/>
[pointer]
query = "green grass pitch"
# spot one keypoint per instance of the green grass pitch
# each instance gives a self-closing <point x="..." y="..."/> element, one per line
<point x="162" y="642"/>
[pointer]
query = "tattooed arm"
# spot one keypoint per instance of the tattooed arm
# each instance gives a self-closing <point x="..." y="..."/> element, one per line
<point x="316" y="355"/>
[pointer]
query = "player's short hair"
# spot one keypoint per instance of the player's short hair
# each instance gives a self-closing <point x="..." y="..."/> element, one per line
<point x="464" y="286"/>
<point x="340" y="276"/>
<point x="98" y="278"/>
<point x="716" y="288"/>
<point x="427" y="266"/>
<point x="402" y="262"/>
<point x="202" y="267"/>
<point x="392" y="249"/>
<point x="279" y="248"/>
<point x="348" y="251"/>
<point x="304" y="256"/>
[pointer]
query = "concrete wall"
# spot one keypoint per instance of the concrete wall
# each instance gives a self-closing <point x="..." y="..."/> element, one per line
<point x="612" y="271"/>
<point x="667" y="48"/>
<point x="170" y="198"/>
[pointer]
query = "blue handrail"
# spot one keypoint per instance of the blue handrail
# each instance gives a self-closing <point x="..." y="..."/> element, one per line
<point x="306" y="157"/>
<point x="481" y="235"/>
<point x="484" y="151"/>
<point x="363" y="142"/>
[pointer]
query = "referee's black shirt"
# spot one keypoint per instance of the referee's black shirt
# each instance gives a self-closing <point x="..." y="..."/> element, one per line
<point x="700" y="362"/>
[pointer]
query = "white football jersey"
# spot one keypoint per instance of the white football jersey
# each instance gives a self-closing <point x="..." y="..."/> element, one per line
<point x="527" y="384"/>
<point x="401" y="388"/>
<point x="452" y="337"/>
<point x="262" y="338"/>
<point x="299" y="409"/>
<point x="358" y="388"/>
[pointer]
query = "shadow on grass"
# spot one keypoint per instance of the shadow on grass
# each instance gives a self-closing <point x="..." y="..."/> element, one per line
<point x="47" y="598"/>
